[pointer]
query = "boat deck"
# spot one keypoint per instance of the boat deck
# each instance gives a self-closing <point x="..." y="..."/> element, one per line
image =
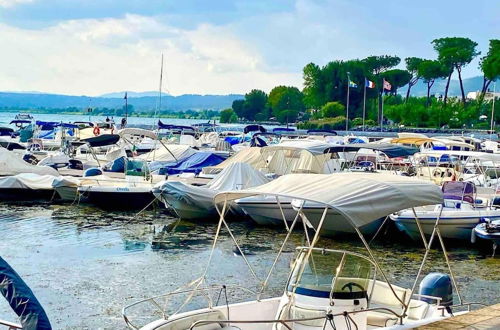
<point x="484" y="318"/>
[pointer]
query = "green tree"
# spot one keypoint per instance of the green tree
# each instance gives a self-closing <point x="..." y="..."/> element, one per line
<point x="376" y="65"/>
<point x="313" y="86"/>
<point x="228" y="116"/>
<point x="285" y="103"/>
<point x="255" y="102"/>
<point x="431" y="70"/>
<point x="398" y="78"/>
<point x="412" y="64"/>
<point x="238" y="106"/>
<point x="490" y="65"/>
<point x="455" y="53"/>
<point x="333" y="109"/>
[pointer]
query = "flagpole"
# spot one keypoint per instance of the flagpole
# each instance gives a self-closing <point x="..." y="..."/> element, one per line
<point x="382" y="108"/>
<point x="493" y="109"/>
<point x="364" y="106"/>
<point x="347" y="108"/>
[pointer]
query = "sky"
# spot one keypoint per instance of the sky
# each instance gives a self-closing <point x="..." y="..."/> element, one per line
<point x="88" y="47"/>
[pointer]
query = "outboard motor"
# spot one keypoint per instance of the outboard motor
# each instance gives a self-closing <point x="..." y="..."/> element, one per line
<point x="437" y="285"/>
<point x="93" y="171"/>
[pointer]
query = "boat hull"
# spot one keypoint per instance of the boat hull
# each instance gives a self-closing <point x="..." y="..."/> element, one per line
<point x="119" y="198"/>
<point x="267" y="213"/>
<point x="20" y="194"/>
<point x="451" y="226"/>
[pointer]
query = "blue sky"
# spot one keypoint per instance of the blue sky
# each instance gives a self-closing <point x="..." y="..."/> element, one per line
<point x="220" y="46"/>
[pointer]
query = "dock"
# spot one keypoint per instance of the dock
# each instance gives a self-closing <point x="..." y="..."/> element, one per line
<point x="483" y="318"/>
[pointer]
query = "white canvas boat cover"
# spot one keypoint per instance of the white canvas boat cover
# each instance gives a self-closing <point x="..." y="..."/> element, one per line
<point x="297" y="156"/>
<point x="65" y="181"/>
<point x="250" y="156"/>
<point x="237" y="176"/>
<point x="27" y="181"/>
<point x="162" y="154"/>
<point x="12" y="164"/>
<point x="361" y="198"/>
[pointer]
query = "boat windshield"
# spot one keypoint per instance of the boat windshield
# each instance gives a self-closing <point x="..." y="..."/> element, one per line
<point x="329" y="273"/>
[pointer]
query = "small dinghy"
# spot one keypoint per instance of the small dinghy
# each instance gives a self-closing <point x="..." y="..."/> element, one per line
<point x="489" y="230"/>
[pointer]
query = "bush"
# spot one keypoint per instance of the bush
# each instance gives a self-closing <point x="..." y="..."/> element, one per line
<point x="228" y="116"/>
<point x="332" y="109"/>
<point x="336" y="123"/>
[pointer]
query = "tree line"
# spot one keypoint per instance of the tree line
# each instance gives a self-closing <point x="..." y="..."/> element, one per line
<point x="324" y="94"/>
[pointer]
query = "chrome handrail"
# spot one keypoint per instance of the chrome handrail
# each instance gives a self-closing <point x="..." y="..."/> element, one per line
<point x="153" y="300"/>
<point x="327" y="317"/>
<point x="11" y="325"/>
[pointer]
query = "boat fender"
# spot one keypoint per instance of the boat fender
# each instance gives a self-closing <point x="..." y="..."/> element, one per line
<point x="97" y="130"/>
<point x="473" y="236"/>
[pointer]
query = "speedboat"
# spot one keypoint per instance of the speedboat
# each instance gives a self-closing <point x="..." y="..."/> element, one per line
<point x="133" y="192"/>
<point x="326" y="288"/>
<point x="489" y="231"/>
<point x="26" y="187"/>
<point x="460" y="212"/>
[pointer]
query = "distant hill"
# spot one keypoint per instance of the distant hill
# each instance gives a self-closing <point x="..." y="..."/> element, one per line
<point x="131" y="94"/>
<point x="470" y="85"/>
<point x="141" y="103"/>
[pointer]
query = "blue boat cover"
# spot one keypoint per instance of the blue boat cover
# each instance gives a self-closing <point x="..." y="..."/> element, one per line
<point x="117" y="165"/>
<point x="232" y="140"/>
<point x="21" y="299"/>
<point x="192" y="164"/>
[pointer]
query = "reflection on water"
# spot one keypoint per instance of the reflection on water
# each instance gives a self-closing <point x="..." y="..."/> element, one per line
<point x="85" y="264"/>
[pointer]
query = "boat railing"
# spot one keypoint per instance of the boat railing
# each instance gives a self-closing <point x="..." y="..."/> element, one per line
<point x="156" y="300"/>
<point x="468" y="305"/>
<point x="328" y="317"/>
<point x="10" y="325"/>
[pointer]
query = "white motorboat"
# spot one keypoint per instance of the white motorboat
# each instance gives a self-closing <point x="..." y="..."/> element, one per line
<point x="326" y="289"/>
<point x="133" y="192"/>
<point x="460" y="212"/>
<point x="192" y="202"/>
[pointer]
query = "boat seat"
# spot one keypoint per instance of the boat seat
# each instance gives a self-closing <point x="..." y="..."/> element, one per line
<point x="418" y="310"/>
<point x="185" y="322"/>
<point x="383" y="297"/>
<point x="381" y="319"/>
<point x="295" y="312"/>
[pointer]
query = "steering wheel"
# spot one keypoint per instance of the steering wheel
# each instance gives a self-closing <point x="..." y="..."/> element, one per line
<point x="350" y="285"/>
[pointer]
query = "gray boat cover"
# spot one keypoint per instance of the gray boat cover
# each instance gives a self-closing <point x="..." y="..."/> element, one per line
<point x="236" y="176"/>
<point x="359" y="197"/>
<point x="21" y="299"/>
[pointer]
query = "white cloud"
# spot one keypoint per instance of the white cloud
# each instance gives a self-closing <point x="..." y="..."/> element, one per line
<point x="12" y="3"/>
<point x="94" y="56"/>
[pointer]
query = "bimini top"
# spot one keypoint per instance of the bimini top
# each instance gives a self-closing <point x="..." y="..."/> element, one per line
<point x="137" y="132"/>
<point x="359" y="197"/>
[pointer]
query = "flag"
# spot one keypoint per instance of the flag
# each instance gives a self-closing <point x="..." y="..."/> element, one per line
<point x="125" y="97"/>
<point x="369" y="84"/>
<point x="387" y="85"/>
<point x="352" y="84"/>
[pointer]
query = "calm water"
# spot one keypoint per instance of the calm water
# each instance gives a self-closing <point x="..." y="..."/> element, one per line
<point x="84" y="264"/>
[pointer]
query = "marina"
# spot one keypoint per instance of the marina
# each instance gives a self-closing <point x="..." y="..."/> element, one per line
<point x="249" y="165"/>
<point x="143" y="209"/>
